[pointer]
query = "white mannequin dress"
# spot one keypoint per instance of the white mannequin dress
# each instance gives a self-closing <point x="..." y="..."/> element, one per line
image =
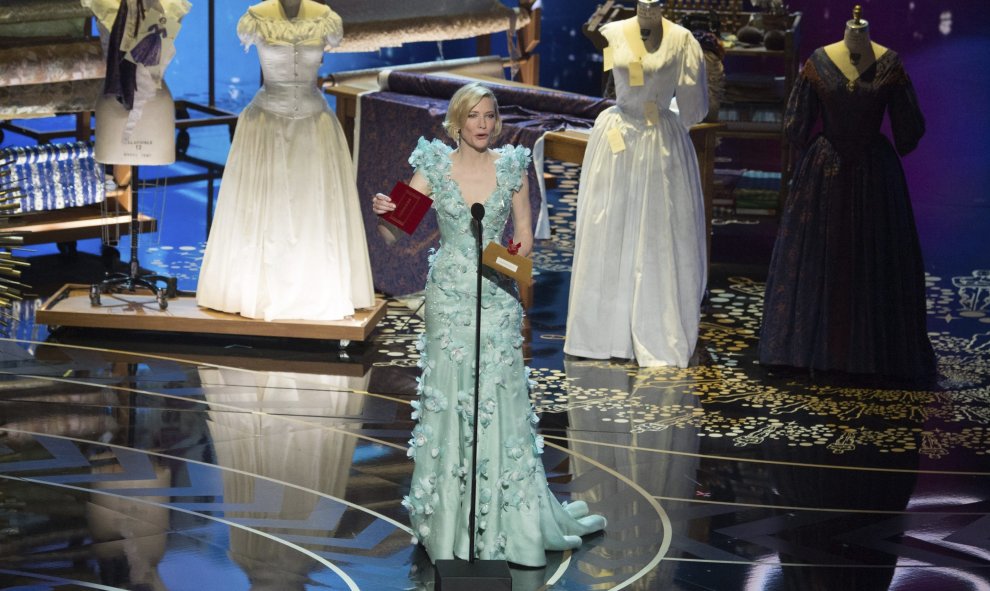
<point x="287" y="240"/>
<point x="640" y="262"/>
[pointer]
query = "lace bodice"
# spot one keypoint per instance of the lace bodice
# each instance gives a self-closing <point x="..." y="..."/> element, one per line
<point x="676" y="68"/>
<point x="290" y="52"/>
<point x="452" y="267"/>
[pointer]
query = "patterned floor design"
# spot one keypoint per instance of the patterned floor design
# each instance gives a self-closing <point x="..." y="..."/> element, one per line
<point x="153" y="462"/>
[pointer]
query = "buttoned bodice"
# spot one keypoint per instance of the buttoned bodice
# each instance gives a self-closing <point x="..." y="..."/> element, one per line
<point x="290" y="52"/>
<point x="290" y="73"/>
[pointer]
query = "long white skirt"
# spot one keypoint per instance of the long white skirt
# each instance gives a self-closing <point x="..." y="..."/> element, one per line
<point x="640" y="262"/>
<point x="287" y="240"/>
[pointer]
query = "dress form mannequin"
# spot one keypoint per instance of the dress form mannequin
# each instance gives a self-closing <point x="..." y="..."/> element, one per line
<point x="856" y="53"/>
<point x="833" y="302"/>
<point x="143" y="133"/>
<point x="640" y="180"/>
<point x="151" y="142"/>
<point x="649" y="15"/>
<point x="287" y="240"/>
<point x="290" y="7"/>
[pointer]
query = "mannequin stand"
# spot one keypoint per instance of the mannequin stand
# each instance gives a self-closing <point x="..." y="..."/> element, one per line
<point x="133" y="278"/>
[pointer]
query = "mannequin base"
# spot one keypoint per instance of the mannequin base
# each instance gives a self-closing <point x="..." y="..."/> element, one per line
<point x="480" y="575"/>
<point x="73" y="305"/>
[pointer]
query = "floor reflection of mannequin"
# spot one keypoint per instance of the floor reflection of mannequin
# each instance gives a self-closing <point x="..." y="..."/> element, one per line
<point x="305" y="455"/>
<point x="129" y="536"/>
<point x="859" y="491"/>
<point x="660" y="474"/>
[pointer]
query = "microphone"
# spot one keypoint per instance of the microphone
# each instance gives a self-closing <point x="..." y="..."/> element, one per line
<point x="477" y="212"/>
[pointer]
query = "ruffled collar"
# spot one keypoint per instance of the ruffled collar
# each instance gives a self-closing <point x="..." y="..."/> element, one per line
<point x="316" y="24"/>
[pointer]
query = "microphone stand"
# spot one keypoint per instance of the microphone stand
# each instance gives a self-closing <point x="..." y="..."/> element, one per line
<point x="474" y="575"/>
<point x="477" y="212"/>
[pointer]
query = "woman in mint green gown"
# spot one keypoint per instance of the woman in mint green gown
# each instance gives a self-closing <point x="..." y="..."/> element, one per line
<point x="517" y="519"/>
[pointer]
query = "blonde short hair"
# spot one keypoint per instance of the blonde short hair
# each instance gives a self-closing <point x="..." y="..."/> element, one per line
<point x="465" y="99"/>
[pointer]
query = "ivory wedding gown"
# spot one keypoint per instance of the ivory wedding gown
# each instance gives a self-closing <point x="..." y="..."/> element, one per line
<point x="287" y="240"/>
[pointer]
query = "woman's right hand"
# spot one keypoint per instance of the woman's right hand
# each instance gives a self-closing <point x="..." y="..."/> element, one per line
<point x="381" y="204"/>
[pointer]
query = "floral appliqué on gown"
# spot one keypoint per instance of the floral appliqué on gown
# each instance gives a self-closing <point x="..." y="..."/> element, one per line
<point x="518" y="518"/>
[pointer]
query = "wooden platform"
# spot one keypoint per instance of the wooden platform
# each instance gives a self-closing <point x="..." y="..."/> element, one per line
<point x="70" y="306"/>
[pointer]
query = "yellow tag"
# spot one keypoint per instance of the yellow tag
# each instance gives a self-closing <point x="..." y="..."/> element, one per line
<point x="631" y="31"/>
<point x="607" y="54"/>
<point x="635" y="73"/>
<point x="615" y="140"/>
<point x="651" y="112"/>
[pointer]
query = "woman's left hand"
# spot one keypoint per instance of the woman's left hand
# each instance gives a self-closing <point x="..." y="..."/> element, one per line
<point x="381" y="204"/>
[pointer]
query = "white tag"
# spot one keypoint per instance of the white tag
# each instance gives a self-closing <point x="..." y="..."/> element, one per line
<point x="512" y="267"/>
<point x="636" y="74"/>
<point x="652" y="113"/>
<point x="615" y="142"/>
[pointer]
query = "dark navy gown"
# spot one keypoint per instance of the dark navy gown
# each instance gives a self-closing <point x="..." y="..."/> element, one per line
<point x="846" y="286"/>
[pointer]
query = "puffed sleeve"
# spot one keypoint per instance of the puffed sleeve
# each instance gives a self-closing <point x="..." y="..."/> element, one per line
<point x="248" y="29"/>
<point x="519" y="160"/>
<point x="803" y="107"/>
<point x="906" y="121"/>
<point x="692" y="83"/>
<point x="333" y="29"/>
<point x="429" y="158"/>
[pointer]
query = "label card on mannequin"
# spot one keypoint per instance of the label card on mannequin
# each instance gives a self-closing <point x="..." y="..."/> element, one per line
<point x="615" y="142"/>
<point x="607" y="56"/>
<point x="631" y="32"/>
<point x="635" y="73"/>
<point x="651" y="112"/>
<point x="151" y="142"/>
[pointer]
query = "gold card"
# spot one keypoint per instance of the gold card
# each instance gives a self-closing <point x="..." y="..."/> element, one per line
<point x="518" y="267"/>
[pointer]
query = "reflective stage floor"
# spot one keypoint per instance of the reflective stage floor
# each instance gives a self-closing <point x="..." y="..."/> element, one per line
<point x="151" y="462"/>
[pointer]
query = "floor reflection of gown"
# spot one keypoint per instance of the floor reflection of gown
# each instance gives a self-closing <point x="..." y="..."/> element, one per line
<point x="846" y="287"/>
<point x="638" y="531"/>
<point x="639" y="256"/>
<point x="518" y="519"/>
<point x="297" y="450"/>
<point x="287" y="240"/>
<point x="835" y="514"/>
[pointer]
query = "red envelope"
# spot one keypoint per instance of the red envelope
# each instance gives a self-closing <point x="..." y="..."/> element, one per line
<point x="410" y="207"/>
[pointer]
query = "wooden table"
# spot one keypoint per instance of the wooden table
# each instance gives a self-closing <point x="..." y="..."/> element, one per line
<point x="566" y="146"/>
